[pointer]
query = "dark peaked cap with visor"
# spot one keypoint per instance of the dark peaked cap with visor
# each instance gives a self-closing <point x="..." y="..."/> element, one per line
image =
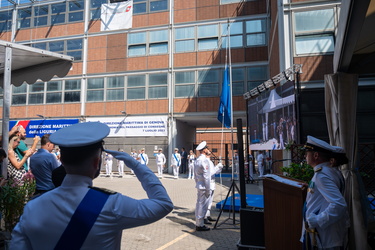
<point x="80" y="135"/>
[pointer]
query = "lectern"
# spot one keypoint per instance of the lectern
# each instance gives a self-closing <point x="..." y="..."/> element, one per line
<point x="283" y="203"/>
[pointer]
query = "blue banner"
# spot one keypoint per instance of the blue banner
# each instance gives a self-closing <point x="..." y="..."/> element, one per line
<point x="42" y="127"/>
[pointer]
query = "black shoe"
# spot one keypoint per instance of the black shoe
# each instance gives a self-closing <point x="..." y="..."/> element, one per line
<point x="203" y="228"/>
<point x="210" y="218"/>
<point x="207" y="222"/>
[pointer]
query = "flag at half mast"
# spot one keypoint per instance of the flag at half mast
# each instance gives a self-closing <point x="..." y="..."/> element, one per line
<point x="225" y="109"/>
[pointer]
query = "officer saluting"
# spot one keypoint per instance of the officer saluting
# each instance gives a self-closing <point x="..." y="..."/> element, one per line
<point x="78" y="216"/>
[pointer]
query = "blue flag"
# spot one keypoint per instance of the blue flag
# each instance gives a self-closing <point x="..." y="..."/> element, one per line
<point x="225" y="109"/>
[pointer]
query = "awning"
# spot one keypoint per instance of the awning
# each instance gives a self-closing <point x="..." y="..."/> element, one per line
<point x="19" y="64"/>
<point x="30" y="64"/>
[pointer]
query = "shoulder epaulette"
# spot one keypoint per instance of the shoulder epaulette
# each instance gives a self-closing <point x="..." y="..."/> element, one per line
<point x="104" y="190"/>
<point x="318" y="169"/>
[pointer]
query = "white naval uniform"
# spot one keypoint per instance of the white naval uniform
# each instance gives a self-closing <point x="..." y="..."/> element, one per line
<point x="46" y="217"/>
<point x="120" y="165"/>
<point x="202" y="175"/>
<point x="143" y="158"/>
<point x="160" y="161"/>
<point x="326" y="201"/>
<point x="176" y="163"/>
<point x="108" y="164"/>
<point x="213" y="170"/>
<point x="191" y="166"/>
<point x="260" y="159"/>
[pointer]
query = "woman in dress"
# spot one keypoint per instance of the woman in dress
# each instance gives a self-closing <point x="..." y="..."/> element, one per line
<point x="191" y="158"/>
<point x="16" y="169"/>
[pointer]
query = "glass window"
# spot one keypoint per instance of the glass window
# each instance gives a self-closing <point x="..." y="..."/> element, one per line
<point x="184" y="77"/>
<point x="73" y="84"/>
<point x="19" y="94"/>
<point x="158" y="48"/>
<point x="158" y="36"/>
<point x="136" y="80"/>
<point x="316" y="20"/>
<point x="5" y="20"/>
<point x="207" y="76"/>
<point x="115" y="82"/>
<point x="115" y="94"/>
<point x="256" y="76"/>
<point x="137" y="50"/>
<point x="97" y="95"/>
<point x="37" y="87"/>
<point x="185" y="90"/>
<point x="76" y="5"/>
<point x="158" y="5"/>
<point x="136" y="38"/>
<point x="158" y="79"/>
<point x="57" y="46"/>
<point x="139" y="8"/>
<point x="36" y="98"/>
<point x="95" y="83"/>
<point x="72" y="96"/>
<point x="157" y="92"/>
<point x="185" y="46"/>
<point x="208" y="90"/>
<point x="256" y="32"/>
<point x="53" y="97"/>
<point x="95" y="8"/>
<point x="115" y="88"/>
<point x="76" y="16"/>
<point x="187" y="33"/>
<point x="208" y="30"/>
<point x="24" y="18"/>
<point x="41" y="15"/>
<point x="58" y="8"/>
<point x="238" y="79"/>
<point x="314" y="44"/>
<point x="136" y="93"/>
<point x="235" y="28"/>
<point x="207" y="44"/>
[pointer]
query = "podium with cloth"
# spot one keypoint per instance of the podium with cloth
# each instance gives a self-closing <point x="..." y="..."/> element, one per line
<point x="283" y="203"/>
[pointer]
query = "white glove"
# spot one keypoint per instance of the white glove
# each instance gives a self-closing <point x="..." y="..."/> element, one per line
<point x="313" y="221"/>
<point x="122" y="156"/>
<point x="220" y="165"/>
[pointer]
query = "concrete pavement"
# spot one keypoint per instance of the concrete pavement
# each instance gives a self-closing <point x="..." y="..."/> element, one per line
<point x="177" y="229"/>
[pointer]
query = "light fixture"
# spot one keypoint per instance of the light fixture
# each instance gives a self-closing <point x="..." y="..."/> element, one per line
<point x="123" y="112"/>
<point x="41" y="116"/>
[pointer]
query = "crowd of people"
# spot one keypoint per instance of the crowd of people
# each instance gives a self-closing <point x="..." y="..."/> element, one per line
<point x="77" y="161"/>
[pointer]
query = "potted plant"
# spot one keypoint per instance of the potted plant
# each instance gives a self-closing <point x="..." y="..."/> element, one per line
<point x="302" y="171"/>
<point x="14" y="194"/>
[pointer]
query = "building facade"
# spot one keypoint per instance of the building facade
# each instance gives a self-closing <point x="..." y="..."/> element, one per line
<point x="170" y="63"/>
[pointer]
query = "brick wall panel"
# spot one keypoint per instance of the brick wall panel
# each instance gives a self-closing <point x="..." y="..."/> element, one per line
<point x="206" y="3"/>
<point x="157" y="62"/>
<point x="94" y="67"/>
<point x="116" y="65"/>
<point x="114" y="108"/>
<point x="136" y="63"/>
<point x="76" y="69"/>
<point x="72" y="109"/>
<point x="185" y="59"/>
<point x="95" y="109"/>
<point x="206" y="13"/>
<point x="185" y="105"/>
<point x="186" y="15"/>
<point x="136" y="107"/>
<point x="140" y="21"/>
<point x="97" y="54"/>
<point x="160" y="18"/>
<point x="97" y="42"/>
<point x="183" y="4"/>
<point x="208" y="104"/>
<point x="157" y="106"/>
<point x="208" y="57"/>
<point x="18" y="112"/>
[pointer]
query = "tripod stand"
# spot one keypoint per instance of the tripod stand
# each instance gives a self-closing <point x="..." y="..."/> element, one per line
<point x="232" y="189"/>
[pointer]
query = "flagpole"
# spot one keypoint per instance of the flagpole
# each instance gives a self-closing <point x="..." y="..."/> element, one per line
<point x="231" y="96"/>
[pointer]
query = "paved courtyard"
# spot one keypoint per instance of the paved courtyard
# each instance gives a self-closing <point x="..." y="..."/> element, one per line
<point x="177" y="229"/>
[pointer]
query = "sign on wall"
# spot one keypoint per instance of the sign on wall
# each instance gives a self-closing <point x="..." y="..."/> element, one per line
<point x="134" y="126"/>
<point x="42" y="127"/>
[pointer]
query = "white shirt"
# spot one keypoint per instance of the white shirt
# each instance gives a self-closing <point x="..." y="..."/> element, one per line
<point x="143" y="158"/>
<point x="46" y="217"/>
<point x="160" y="159"/>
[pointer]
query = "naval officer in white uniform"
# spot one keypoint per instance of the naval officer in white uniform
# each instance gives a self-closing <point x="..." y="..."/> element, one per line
<point x="326" y="219"/>
<point x="78" y="216"/>
<point x="202" y="175"/>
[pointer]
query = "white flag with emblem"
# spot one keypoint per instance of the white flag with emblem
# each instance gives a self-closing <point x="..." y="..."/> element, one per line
<point x="116" y="16"/>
